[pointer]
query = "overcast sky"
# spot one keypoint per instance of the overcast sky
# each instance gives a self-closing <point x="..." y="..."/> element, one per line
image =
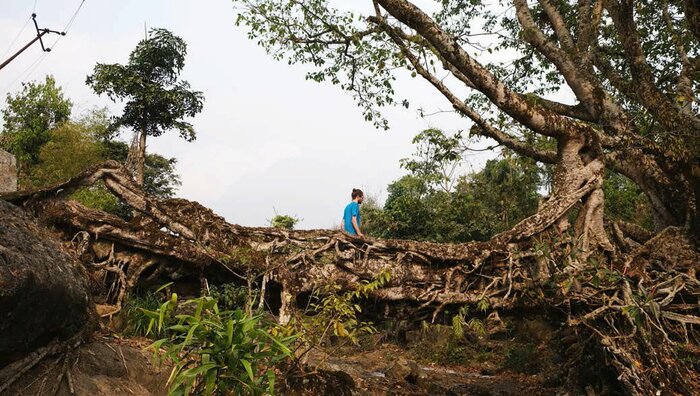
<point x="267" y="139"/>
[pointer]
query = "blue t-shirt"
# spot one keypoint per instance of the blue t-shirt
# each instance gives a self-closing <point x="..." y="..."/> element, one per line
<point x="353" y="209"/>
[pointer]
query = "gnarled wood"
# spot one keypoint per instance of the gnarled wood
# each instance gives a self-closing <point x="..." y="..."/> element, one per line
<point x="633" y="308"/>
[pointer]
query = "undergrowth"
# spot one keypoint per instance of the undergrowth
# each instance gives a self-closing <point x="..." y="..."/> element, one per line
<point x="218" y="352"/>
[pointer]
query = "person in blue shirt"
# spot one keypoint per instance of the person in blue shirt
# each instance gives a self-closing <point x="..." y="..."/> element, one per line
<point x="352" y="220"/>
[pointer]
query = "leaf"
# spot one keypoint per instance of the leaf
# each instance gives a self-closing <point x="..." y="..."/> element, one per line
<point x="163" y="287"/>
<point x="280" y="345"/>
<point x="229" y="332"/>
<point x="210" y="382"/>
<point x="248" y="369"/>
<point x="189" y="336"/>
<point x="195" y="371"/>
<point x="271" y="382"/>
<point x="178" y="328"/>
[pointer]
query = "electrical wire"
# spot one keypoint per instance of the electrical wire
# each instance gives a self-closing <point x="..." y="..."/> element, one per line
<point x="31" y="68"/>
<point x="16" y="38"/>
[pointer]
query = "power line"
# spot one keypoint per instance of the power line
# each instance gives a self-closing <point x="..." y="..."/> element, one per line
<point x="16" y="37"/>
<point x="26" y="72"/>
<point x="55" y="43"/>
<point x="39" y="34"/>
<point x="75" y="14"/>
<point x="32" y="67"/>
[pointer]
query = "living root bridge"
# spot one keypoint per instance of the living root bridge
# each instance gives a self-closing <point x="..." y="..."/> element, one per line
<point x="638" y="310"/>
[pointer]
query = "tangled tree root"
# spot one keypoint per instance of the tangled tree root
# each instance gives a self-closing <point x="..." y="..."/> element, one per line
<point x="638" y="306"/>
<point x="63" y="349"/>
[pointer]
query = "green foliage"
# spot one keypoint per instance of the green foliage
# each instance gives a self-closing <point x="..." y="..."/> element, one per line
<point x="432" y="203"/>
<point x="98" y="197"/>
<point x="232" y="296"/>
<point x="337" y="313"/>
<point x="29" y="117"/>
<point x="436" y="158"/>
<point x="284" y="221"/>
<point x="625" y="201"/>
<point x="460" y="322"/>
<point x="156" y="100"/>
<point x="51" y="148"/>
<point x="160" y="179"/>
<point x="218" y="352"/>
<point x="71" y="149"/>
<point x="374" y="220"/>
<point x="137" y="322"/>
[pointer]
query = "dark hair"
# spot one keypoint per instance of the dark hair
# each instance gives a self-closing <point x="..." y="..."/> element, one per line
<point x="356" y="192"/>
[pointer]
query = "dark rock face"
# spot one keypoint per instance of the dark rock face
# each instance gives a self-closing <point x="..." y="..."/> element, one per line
<point x="43" y="294"/>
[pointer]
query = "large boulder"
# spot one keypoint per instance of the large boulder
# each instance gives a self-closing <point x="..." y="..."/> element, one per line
<point x="43" y="293"/>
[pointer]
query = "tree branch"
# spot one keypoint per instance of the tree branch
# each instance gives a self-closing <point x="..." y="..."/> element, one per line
<point x="537" y="118"/>
<point x="559" y="26"/>
<point x="483" y="127"/>
<point x="649" y="95"/>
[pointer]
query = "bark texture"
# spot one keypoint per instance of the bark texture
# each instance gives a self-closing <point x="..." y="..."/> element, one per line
<point x="637" y="311"/>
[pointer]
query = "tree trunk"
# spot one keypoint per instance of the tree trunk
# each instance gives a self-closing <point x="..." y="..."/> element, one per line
<point x="577" y="165"/>
<point x="136" y="159"/>
<point x="609" y="304"/>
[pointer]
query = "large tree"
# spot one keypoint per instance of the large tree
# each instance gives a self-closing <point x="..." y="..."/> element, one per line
<point x="29" y="116"/>
<point x="631" y="67"/>
<point x="156" y="100"/>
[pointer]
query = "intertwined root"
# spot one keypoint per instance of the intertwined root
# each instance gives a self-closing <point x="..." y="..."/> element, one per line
<point x="638" y="307"/>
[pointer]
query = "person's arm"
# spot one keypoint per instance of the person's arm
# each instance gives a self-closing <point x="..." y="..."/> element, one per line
<point x="356" y="226"/>
<point x="342" y="224"/>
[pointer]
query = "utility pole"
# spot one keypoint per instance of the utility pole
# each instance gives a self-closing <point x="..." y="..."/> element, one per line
<point x="39" y="34"/>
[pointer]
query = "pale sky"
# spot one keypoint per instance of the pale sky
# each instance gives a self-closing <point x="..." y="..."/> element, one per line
<point x="267" y="139"/>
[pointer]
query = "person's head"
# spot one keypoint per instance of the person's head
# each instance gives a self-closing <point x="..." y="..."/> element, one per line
<point x="357" y="195"/>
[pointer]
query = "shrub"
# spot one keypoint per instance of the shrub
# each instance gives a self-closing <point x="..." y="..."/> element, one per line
<point x="136" y="319"/>
<point x="224" y="352"/>
<point x="337" y="313"/>
<point x="231" y="296"/>
<point x="284" y="221"/>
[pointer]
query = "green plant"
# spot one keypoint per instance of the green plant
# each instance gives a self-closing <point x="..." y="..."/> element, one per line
<point x="337" y="313"/>
<point x="139" y="310"/>
<point x="223" y="352"/>
<point x="284" y="221"/>
<point x="137" y="320"/>
<point x="232" y="296"/>
<point x="460" y="322"/>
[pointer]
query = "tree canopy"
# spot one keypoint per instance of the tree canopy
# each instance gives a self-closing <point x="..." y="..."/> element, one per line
<point x="29" y="117"/>
<point x="631" y="68"/>
<point x="156" y="100"/>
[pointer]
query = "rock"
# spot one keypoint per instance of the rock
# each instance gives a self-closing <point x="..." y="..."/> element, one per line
<point x="43" y="293"/>
<point x="417" y="374"/>
<point x="399" y="369"/>
<point x="406" y="370"/>
<point x="494" y="324"/>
